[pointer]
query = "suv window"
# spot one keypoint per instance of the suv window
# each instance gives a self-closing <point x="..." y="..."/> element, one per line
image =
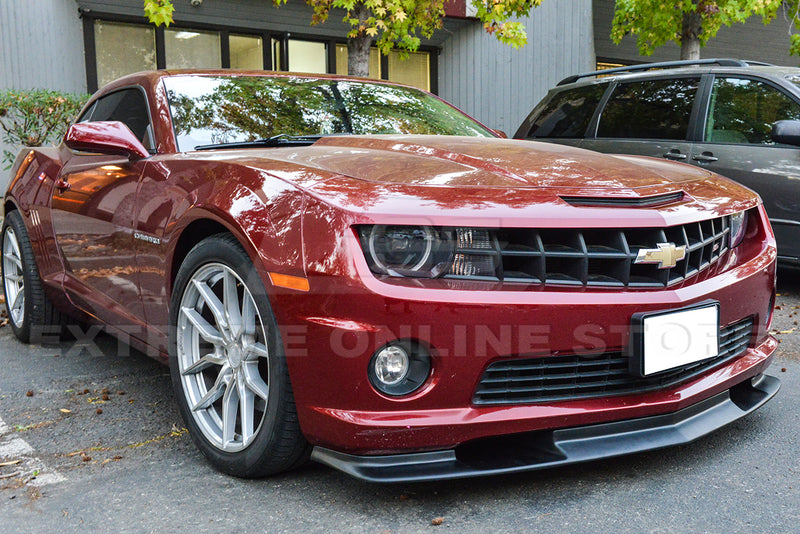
<point x="127" y="106"/>
<point x="651" y="109"/>
<point x="568" y="113"/>
<point x="742" y="111"/>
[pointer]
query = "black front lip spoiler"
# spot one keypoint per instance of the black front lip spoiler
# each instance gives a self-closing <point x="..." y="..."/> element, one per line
<point x="542" y="450"/>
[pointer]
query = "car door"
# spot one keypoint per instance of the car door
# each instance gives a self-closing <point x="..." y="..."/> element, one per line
<point x="648" y="117"/>
<point x="92" y="207"/>
<point x="737" y="143"/>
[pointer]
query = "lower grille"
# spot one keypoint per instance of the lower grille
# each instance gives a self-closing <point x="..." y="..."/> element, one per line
<point x="563" y="378"/>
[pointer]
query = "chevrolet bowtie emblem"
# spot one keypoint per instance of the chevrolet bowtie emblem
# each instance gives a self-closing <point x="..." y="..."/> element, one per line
<point x="667" y="255"/>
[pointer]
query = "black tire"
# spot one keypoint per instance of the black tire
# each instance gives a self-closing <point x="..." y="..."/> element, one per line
<point x="276" y="442"/>
<point x="36" y="318"/>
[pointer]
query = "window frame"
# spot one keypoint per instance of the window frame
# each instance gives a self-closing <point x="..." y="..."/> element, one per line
<point x="691" y="128"/>
<point x="706" y="105"/>
<point x="90" y="55"/>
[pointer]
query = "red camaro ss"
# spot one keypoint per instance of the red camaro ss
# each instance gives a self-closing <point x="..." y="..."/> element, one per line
<point x="358" y="273"/>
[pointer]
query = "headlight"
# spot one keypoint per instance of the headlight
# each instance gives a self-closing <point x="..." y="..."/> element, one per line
<point x="738" y="227"/>
<point x="429" y="252"/>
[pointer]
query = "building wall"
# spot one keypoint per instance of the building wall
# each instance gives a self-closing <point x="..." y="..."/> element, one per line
<point x="41" y="46"/>
<point x="751" y="40"/>
<point x="499" y="85"/>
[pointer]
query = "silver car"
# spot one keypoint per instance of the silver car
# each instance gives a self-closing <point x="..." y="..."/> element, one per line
<point x="740" y="119"/>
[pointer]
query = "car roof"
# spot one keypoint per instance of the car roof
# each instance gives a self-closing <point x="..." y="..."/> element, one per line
<point x="678" y="68"/>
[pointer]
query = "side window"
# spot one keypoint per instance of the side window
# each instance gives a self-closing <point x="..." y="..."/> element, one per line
<point x="742" y="111"/>
<point x="651" y="109"/>
<point x="129" y="107"/>
<point x="568" y="113"/>
<point x="87" y="115"/>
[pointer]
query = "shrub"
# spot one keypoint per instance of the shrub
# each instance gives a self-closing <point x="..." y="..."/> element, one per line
<point x="36" y="117"/>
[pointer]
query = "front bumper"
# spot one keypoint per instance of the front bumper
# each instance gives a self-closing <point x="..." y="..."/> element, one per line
<point x="545" y="449"/>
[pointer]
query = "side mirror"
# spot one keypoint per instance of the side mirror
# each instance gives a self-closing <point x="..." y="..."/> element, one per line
<point x="105" y="137"/>
<point x="786" y="132"/>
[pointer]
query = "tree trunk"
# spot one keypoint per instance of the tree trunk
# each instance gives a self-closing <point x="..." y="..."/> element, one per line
<point x="691" y="28"/>
<point x="358" y="47"/>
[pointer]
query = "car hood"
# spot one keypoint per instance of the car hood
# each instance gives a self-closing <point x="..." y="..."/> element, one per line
<point x="482" y="180"/>
<point x="483" y="162"/>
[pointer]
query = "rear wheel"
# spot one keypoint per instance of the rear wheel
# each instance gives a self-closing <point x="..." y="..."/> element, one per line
<point x="30" y="312"/>
<point x="227" y="364"/>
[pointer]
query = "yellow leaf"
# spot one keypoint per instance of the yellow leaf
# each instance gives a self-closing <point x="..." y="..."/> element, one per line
<point x="64" y="410"/>
<point x="372" y="32"/>
<point x="400" y="16"/>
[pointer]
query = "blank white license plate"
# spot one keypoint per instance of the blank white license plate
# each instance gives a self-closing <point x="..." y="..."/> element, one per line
<point x="675" y="339"/>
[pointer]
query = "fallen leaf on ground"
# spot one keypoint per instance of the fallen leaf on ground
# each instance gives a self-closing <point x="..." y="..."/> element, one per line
<point x="64" y="410"/>
<point x="437" y="521"/>
<point x="12" y="462"/>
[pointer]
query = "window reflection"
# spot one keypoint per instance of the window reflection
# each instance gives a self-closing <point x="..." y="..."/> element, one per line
<point x="567" y="114"/>
<point x="210" y="110"/>
<point x="743" y="111"/>
<point x="652" y="109"/>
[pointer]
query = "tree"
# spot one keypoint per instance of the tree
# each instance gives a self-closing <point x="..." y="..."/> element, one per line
<point x="691" y="23"/>
<point x="391" y="24"/>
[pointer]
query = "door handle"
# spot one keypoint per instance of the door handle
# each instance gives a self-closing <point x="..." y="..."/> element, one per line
<point x="674" y="155"/>
<point x="705" y="157"/>
<point x="62" y="184"/>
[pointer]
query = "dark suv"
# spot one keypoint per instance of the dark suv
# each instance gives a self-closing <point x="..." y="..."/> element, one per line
<point x="740" y="119"/>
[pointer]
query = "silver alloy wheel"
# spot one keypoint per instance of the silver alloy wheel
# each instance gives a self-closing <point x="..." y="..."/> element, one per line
<point x="13" y="277"/>
<point x="223" y="357"/>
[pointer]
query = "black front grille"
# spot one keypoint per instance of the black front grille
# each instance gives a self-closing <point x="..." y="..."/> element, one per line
<point x="594" y="257"/>
<point x="563" y="378"/>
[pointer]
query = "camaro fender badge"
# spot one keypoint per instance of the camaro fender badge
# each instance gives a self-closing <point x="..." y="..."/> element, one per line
<point x="667" y="255"/>
<point x="149" y="238"/>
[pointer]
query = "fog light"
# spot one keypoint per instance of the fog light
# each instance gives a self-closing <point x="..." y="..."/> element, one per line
<point x="391" y="365"/>
<point x="399" y="368"/>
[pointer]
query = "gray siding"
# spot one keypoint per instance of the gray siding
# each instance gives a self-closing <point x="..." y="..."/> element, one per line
<point x="41" y="46"/>
<point x="751" y="40"/>
<point x="499" y="85"/>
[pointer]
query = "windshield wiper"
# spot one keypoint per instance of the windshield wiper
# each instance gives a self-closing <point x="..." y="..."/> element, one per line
<point x="275" y="140"/>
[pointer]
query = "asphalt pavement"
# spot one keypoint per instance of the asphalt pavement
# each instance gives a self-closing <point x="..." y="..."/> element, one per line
<point x="91" y="439"/>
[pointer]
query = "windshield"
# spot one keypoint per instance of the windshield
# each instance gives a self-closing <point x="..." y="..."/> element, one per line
<point x="221" y="110"/>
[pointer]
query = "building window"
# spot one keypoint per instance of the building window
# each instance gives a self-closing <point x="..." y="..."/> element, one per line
<point x="115" y="48"/>
<point x="191" y="49"/>
<point x="415" y="70"/>
<point x="123" y="49"/>
<point x="374" y="61"/>
<point x="307" y="56"/>
<point x="247" y="52"/>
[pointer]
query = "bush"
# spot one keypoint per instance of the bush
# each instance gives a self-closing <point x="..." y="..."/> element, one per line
<point x="36" y="117"/>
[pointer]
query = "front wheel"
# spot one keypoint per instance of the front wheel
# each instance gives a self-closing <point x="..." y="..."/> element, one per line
<point x="227" y="364"/>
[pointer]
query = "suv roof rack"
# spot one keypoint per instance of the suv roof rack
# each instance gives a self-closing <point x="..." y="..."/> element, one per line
<point x="722" y="62"/>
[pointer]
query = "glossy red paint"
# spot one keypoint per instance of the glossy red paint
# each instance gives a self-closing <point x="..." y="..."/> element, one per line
<point x="294" y="211"/>
<point x="109" y="137"/>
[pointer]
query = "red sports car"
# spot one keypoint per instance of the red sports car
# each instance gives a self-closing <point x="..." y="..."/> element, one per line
<point x="358" y="273"/>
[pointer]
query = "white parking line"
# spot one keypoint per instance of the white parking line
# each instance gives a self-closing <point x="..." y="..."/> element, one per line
<point x="31" y="468"/>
